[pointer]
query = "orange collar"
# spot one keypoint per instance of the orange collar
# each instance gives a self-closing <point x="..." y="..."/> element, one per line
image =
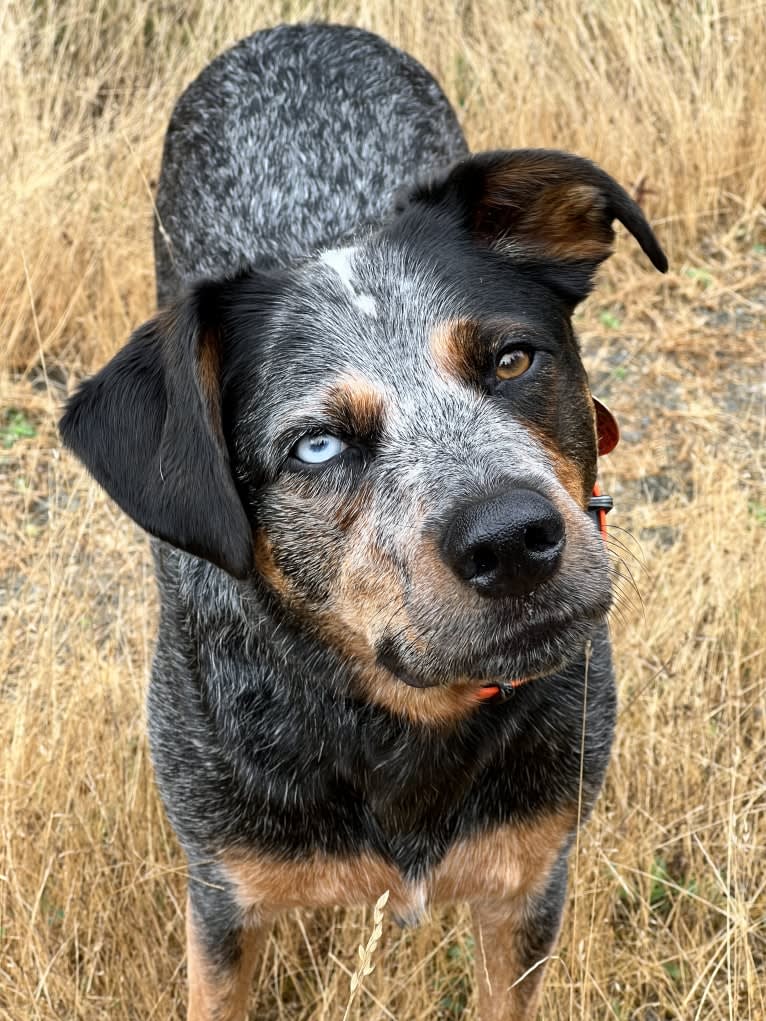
<point x="599" y="505"/>
<point x="489" y="691"/>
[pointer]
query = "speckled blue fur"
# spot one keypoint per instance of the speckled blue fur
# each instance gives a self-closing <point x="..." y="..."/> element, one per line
<point x="331" y="261"/>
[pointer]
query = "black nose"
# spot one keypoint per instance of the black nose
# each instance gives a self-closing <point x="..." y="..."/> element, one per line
<point x="507" y="545"/>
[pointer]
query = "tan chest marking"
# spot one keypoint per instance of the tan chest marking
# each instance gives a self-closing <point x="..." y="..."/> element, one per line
<point x="270" y="885"/>
<point x="506" y="861"/>
<point x="503" y="862"/>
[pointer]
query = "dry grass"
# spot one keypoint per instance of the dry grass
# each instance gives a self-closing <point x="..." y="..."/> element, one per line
<point x="667" y="914"/>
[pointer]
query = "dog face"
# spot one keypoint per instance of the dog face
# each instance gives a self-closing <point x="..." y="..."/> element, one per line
<point x="398" y="436"/>
<point x="401" y="422"/>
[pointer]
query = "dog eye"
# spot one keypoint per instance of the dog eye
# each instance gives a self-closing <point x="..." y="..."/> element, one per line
<point x="315" y="449"/>
<point x="512" y="363"/>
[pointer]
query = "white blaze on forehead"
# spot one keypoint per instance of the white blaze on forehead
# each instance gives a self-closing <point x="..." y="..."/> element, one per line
<point x="366" y="304"/>
<point x="340" y="260"/>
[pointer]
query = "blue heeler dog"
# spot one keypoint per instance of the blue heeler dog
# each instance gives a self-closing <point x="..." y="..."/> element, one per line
<point x="362" y="436"/>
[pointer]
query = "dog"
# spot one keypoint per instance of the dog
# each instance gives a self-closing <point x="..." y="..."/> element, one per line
<point x="362" y="438"/>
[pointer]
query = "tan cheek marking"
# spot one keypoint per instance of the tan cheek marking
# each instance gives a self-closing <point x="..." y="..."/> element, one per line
<point x="568" y="472"/>
<point x="269" y="885"/>
<point x="504" y="862"/>
<point x="437" y="706"/>
<point x="364" y="606"/>
<point x="375" y="598"/>
<point x="364" y="591"/>
<point x="370" y="592"/>
<point x="349" y="511"/>
<point x="217" y="994"/>
<point x="369" y="600"/>
<point x="569" y="475"/>
<point x="370" y="603"/>
<point x="267" y="566"/>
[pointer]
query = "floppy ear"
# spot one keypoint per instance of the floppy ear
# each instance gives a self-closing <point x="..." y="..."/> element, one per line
<point x="549" y="212"/>
<point x="148" y="428"/>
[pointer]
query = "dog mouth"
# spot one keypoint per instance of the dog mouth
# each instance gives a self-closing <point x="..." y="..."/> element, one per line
<point x="539" y="650"/>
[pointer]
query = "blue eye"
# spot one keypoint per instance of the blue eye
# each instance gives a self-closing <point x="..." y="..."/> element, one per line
<point x="315" y="449"/>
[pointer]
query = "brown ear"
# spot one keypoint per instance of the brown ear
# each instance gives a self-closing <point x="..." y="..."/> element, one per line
<point x="548" y="211"/>
<point x="148" y="428"/>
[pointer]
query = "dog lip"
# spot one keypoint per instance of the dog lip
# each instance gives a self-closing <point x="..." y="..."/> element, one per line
<point x="388" y="660"/>
<point x="416" y="682"/>
<point x="421" y="683"/>
<point x="532" y="634"/>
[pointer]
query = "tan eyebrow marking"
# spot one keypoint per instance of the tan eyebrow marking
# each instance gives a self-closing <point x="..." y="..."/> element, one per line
<point x="357" y="405"/>
<point x="460" y="347"/>
<point x="454" y="346"/>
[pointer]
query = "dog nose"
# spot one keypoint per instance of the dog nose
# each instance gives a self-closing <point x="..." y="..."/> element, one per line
<point x="506" y="545"/>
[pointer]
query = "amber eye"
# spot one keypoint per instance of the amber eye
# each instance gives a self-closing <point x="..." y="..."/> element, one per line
<point x="513" y="363"/>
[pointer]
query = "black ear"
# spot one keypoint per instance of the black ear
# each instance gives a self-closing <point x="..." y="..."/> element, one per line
<point x="548" y="211"/>
<point x="148" y="428"/>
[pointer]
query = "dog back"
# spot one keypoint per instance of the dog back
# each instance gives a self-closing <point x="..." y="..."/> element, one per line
<point x="288" y="142"/>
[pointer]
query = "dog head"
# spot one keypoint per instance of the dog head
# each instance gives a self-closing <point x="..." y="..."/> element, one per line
<point x="398" y="437"/>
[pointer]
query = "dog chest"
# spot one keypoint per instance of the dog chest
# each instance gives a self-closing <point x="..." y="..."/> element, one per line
<point x="496" y="864"/>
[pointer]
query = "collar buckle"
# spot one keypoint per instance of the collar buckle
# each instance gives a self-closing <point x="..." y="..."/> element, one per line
<point x="497" y="692"/>
<point x="599" y="506"/>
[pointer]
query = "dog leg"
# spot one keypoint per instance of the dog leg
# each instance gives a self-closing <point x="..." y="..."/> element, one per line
<point x="220" y="965"/>
<point x="513" y="939"/>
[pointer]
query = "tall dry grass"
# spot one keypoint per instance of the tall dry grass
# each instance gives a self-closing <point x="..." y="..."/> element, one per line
<point x="667" y="912"/>
<point x="669" y="96"/>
